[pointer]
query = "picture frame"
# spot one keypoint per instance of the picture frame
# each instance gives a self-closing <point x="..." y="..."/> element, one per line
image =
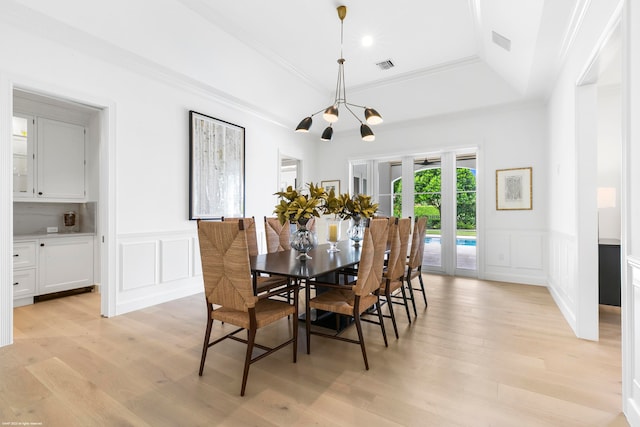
<point x="328" y="185"/>
<point x="216" y="168"/>
<point x="514" y="189"/>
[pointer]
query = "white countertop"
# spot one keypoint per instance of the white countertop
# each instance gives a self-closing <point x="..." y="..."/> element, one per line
<point x="18" y="237"/>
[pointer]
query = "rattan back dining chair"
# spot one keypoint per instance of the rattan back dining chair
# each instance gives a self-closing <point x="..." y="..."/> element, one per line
<point x="354" y="299"/>
<point x="261" y="283"/>
<point x="393" y="275"/>
<point x="414" y="262"/>
<point x="278" y="235"/>
<point x="227" y="284"/>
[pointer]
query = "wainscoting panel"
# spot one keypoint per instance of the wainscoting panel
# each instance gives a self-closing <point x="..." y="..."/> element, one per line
<point x="563" y="271"/>
<point x="175" y="259"/>
<point x="139" y="265"/>
<point x="515" y="256"/>
<point x="157" y="267"/>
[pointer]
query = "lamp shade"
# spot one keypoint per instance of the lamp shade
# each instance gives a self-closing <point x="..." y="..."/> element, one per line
<point x="304" y="125"/>
<point x="331" y="114"/>
<point x="372" y="116"/>
<point x="366" y="133"/>
<point x="327" y="134"/>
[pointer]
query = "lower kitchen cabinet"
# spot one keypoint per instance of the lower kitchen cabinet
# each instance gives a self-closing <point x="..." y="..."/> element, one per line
<point x="52" y="264"/>
<point x="65" y="263"/>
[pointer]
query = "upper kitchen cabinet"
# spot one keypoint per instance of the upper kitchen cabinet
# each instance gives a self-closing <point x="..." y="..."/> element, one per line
<point x="49" y="163"/>
<point x="60" y="159"/>
<point x="23" y="157"/>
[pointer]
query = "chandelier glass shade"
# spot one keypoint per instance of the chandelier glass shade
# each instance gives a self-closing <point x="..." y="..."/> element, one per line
<point x="331" y="113"/>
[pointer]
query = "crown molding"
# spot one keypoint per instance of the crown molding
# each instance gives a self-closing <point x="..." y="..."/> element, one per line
<point x="577" y="17"/>
<point x="417" y="74"/>
<point x="35" y="23"/>
<point x="204" y="11"/>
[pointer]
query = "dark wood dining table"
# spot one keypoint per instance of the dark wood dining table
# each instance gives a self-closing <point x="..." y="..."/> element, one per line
<point x="322" y="263"/>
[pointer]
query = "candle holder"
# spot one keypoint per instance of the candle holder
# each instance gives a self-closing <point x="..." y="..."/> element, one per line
<point x="334" y="227"/>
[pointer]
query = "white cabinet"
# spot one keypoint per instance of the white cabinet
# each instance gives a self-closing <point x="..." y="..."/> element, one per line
<point x="23" y="158"/>
<point x="24" y="272"/>
<point x="65" y="263"/>
<point x="60" y="159"/>
<point x="49" y="159"/>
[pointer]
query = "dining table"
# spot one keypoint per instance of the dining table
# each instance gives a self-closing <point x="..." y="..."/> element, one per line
<point x="320" y="263"/>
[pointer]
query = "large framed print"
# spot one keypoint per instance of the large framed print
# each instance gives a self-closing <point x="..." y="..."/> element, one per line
<point x="513" y="189"/>
<point x="216" y="168"/>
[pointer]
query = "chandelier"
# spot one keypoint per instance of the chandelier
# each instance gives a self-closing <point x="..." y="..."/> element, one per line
<point x="331" y="113"/>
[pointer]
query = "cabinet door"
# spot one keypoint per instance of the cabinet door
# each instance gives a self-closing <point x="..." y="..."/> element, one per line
<point x="23" y="138"/>
<point x="61" y="160"/>
<point x="24" y="254"/>
<point x="65" y="263"/>
<point x="24" y="283"/>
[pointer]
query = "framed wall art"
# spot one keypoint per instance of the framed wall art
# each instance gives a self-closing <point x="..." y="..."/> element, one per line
<point x="513" y="189"/>
<point x="328" y="185"/>
<point x="216" y="168"/>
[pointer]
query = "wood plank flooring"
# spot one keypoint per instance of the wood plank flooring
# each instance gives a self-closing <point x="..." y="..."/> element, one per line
<point x="482" y="354"/>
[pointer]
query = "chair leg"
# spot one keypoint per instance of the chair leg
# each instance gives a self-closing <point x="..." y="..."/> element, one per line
<point x="424" y="294"/>
<point x="392" y="314"/>
<point x="406" y="303"/>
<point x="294" y="324"/>
<point x="207" y="336"/>
<point x="251" y="337"/>
<point x="356" y="317"/>
<point x="413" y="300"/>
<point x="307" y="313"/>
<point x="384" y="332"/>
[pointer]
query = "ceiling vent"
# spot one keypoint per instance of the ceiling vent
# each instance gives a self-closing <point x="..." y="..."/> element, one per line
<point x="501" y="41"/>
<point x="385" y="65"/>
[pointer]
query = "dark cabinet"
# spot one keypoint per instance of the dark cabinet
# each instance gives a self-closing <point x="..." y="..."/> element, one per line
<point x="609" y="273"/>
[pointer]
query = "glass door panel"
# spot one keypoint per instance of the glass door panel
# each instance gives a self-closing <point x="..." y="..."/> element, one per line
<point x="427" y="193"/>
<point x="466" y="253"/>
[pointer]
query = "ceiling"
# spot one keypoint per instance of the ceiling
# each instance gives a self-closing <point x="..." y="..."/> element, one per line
<point x="443" y="54"/>
<point x="279" y="57"/>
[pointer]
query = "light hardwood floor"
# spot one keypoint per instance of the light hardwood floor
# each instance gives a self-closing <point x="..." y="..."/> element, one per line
<point x="482" y="354"/>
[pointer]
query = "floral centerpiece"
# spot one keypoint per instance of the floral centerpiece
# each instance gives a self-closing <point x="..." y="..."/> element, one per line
<point x="296" y="206"/>
<point x="356" y="208"/>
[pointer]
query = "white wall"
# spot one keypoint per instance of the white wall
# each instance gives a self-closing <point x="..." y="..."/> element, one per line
<point x="506" y="137"/>
<point x="569" y="193"/>
<point x="609" y="161"/>
<point x="630" y="215"/>
<point x="155" y="245"/>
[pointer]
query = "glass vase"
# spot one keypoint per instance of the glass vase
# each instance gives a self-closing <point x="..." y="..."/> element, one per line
<point x="303" y="240"/>
<point x="334" y="226"/>
<point x="356" y="230"/>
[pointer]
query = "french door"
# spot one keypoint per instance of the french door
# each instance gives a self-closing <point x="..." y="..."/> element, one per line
<point x="442" y="187"/>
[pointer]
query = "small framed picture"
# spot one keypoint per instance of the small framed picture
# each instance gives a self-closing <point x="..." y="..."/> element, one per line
<point x="513" y="189"/>
<point x="331" y="185"/>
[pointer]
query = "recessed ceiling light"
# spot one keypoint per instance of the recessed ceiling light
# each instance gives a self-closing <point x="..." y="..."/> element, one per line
<point x="367" y="41"/>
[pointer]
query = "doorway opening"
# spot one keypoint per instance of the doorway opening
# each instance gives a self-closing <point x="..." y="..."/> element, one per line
<point x="443" y="189"/>
<point x="56" y="196"/>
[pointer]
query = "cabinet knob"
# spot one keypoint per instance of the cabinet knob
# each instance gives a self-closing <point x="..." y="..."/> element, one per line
<point x="16" y="284"/>
<point x="39" y="193"/>
<point x="41" y="244"/>
<point x="16" y="255"/>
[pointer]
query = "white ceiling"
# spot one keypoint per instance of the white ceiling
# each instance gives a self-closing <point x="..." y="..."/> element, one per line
<point x="444" y="56"/>
<point x="279" y="57"/>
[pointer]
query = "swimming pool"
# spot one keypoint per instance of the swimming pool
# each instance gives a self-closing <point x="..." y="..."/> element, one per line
<point x="459" y="241"/>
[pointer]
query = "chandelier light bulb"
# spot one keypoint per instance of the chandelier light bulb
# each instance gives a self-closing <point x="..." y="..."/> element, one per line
<point x="366" y="133"/>
<point x="327" y="134"/>
<point x="331" y="114"/>
<point x="304" y="125"/>
<point x="372" y="116"/>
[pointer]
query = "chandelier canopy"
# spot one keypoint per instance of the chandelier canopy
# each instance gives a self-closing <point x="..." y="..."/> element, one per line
<point x="332" y="112"/>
